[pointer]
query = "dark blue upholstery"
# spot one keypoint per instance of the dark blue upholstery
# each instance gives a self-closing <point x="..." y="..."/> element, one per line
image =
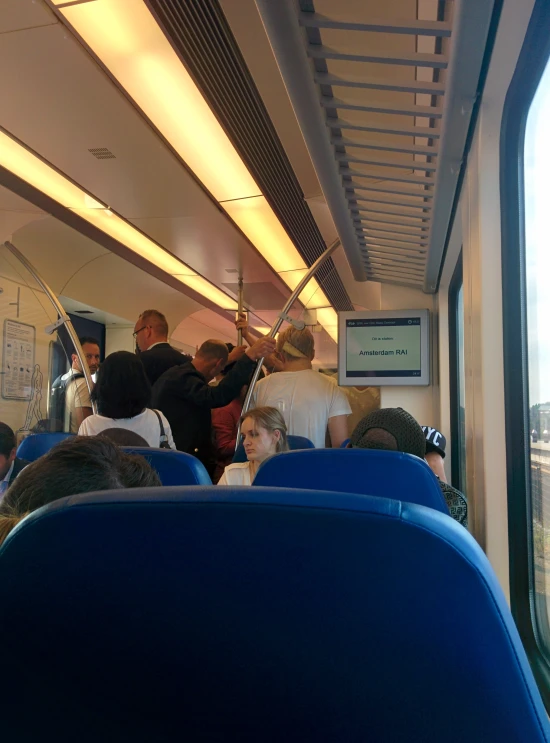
<point x="366" y="471"/>
<point x="294" y="442"/>
<point x="218" y="614"/>
<point x="173" y="467"/>
<point x="37" y="444"/>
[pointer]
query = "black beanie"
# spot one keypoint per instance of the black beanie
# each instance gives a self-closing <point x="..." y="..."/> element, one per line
<point x="397" y="422"/>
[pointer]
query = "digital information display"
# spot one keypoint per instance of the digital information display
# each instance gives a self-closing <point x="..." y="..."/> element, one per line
<point x="383" y="348"/>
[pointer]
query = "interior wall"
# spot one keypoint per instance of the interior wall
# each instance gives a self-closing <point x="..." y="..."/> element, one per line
<point x="20" y="303"/>
<point x="421" y="402"/>
<point x="480" y="214"/>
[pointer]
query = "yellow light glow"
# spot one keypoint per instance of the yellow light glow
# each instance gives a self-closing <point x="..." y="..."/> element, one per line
<point x="127" y="39"/>
<point x="15" y="158"/>
<point x="328" y="318"/>
<point x="258" y="222"/>
<point x="129" y="42"/>
<point x="128" y="235"/>
<point x="209" y="291"/>
<point x="312" y="296"/>
<point x="27" y="166"/>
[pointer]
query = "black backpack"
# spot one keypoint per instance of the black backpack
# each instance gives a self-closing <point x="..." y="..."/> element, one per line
<point x="57" y="398"/>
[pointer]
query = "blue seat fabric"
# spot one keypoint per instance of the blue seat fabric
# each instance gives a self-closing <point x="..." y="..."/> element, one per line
<point x="257" y="614"/>
<point x="366" y="471"/>
<point x="173" y="467"/>
<point x="294" y="442"/>
<point x="37" y="444"/>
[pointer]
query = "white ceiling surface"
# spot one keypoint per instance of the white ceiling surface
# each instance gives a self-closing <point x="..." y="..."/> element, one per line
<point x="61" y="105"/>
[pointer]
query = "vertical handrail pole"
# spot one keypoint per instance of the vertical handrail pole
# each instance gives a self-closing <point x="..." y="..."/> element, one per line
<point x="281" y="318"/>
<point x="61" y="313"/>
<point x="240" y="294"/>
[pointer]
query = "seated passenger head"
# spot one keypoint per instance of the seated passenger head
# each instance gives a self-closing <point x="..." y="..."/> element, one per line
<point x="7" y="449"/>
<point x="211" y="358"/>
<point x="123" y="437"/>
<point x="296" y="346"/>
<point x="435" y="451"/>
<point x="79" y="464"/>
<point x="151" y="327"/>
<point x="264" y="433"/>
<point x="122" y="389"/>
<point x="136" y="472"/>
<point x="392" y="429"/>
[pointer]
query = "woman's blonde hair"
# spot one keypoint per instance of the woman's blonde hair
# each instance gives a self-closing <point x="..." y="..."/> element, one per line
<point x="7" y="523"/>
<point x="272" y="420"/>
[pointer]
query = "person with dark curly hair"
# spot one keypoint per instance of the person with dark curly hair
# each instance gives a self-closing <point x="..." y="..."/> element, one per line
<point x="79" y="464"/>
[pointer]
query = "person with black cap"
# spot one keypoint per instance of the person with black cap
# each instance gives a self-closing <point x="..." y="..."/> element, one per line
<point x="435" y="451"/>
<point x="394" y="429"/>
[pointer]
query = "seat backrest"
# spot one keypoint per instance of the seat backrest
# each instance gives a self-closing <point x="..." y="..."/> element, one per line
<point x="173" y="467"/>
<point x="257" y="614"/>
<point x="294" y="442"/>
<point x="37" y="444"/>
<point x="366" y="471"/>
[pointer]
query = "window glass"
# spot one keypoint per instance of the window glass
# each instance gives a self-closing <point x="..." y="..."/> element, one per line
<point x="537" y="276"/>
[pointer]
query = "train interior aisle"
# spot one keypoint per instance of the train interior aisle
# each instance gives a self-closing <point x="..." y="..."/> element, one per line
<point x="375" y="173"/>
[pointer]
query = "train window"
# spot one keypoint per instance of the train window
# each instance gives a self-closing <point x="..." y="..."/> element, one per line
<point x="525" y="192"/>
<point x="457" y="378"/>
<point x="536" y="164"/>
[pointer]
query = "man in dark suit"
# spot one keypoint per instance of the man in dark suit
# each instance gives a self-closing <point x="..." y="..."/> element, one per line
<point x="10" y="465"/>
<point x="157" y="355"/>
<point x="186" y="399"/>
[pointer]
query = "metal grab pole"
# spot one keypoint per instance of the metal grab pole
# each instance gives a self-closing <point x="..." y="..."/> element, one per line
<point x="62" y="315"/>
<point x="239" y="310"/>
<point x="279" y="321"/>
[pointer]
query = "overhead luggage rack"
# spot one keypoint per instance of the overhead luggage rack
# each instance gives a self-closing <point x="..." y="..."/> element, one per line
<point x="385" y="107"/>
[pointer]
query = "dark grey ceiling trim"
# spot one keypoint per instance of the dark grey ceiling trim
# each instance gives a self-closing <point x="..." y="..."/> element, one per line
<point x="201" y="36"/>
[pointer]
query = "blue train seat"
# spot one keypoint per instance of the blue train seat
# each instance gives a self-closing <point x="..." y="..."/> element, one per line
<point x="257" y="614"/>
<point x="364" y="471"/>
<point x="37" y="444"/>
<point x="294" y="442"/>
<point x="173" y="467"/>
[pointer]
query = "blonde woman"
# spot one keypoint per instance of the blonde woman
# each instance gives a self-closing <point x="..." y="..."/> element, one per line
<point x="263" y="433"/>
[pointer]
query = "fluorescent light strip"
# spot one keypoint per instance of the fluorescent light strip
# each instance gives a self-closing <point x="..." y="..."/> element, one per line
<point x="30" y="168"/>
<point x="129" y="42"/>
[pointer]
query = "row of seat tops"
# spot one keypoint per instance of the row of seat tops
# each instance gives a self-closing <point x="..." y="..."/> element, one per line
<point x="362" y="471"/>
<point x="257" y="614"/>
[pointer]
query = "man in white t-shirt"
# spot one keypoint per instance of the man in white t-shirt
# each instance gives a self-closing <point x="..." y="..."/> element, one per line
<point x="309" y="402"/>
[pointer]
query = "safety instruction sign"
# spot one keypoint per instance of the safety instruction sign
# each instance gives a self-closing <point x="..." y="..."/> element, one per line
<point x="17" y="360"/>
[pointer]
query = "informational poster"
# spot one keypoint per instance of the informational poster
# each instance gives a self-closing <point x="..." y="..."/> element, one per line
<point x="18" y="360"/>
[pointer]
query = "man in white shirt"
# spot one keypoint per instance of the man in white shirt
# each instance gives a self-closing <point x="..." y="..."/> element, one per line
<point x="77" y="397"/>
<point x="309" y="401"/>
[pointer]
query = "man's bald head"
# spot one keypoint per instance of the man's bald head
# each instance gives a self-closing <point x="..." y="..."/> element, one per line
<point x="211" y="358"/>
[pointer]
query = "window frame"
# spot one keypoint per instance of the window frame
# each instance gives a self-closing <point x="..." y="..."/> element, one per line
<point x="532" y="61"/>
<point x="454" y="373"/>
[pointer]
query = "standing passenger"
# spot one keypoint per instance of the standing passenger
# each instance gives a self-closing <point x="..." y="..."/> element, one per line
<point x="308" y="400"/>
<point x="157" y="355"/>
<point x="71" y="390"/>
<point x="186" y="399"/>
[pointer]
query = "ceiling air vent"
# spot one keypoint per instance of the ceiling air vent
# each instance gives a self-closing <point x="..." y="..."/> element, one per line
<point x="102" y="153"/>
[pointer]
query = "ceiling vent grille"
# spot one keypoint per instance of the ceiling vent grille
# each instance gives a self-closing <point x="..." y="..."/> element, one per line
<point x="102" y="153"/>
<point x="200" y="34"/>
